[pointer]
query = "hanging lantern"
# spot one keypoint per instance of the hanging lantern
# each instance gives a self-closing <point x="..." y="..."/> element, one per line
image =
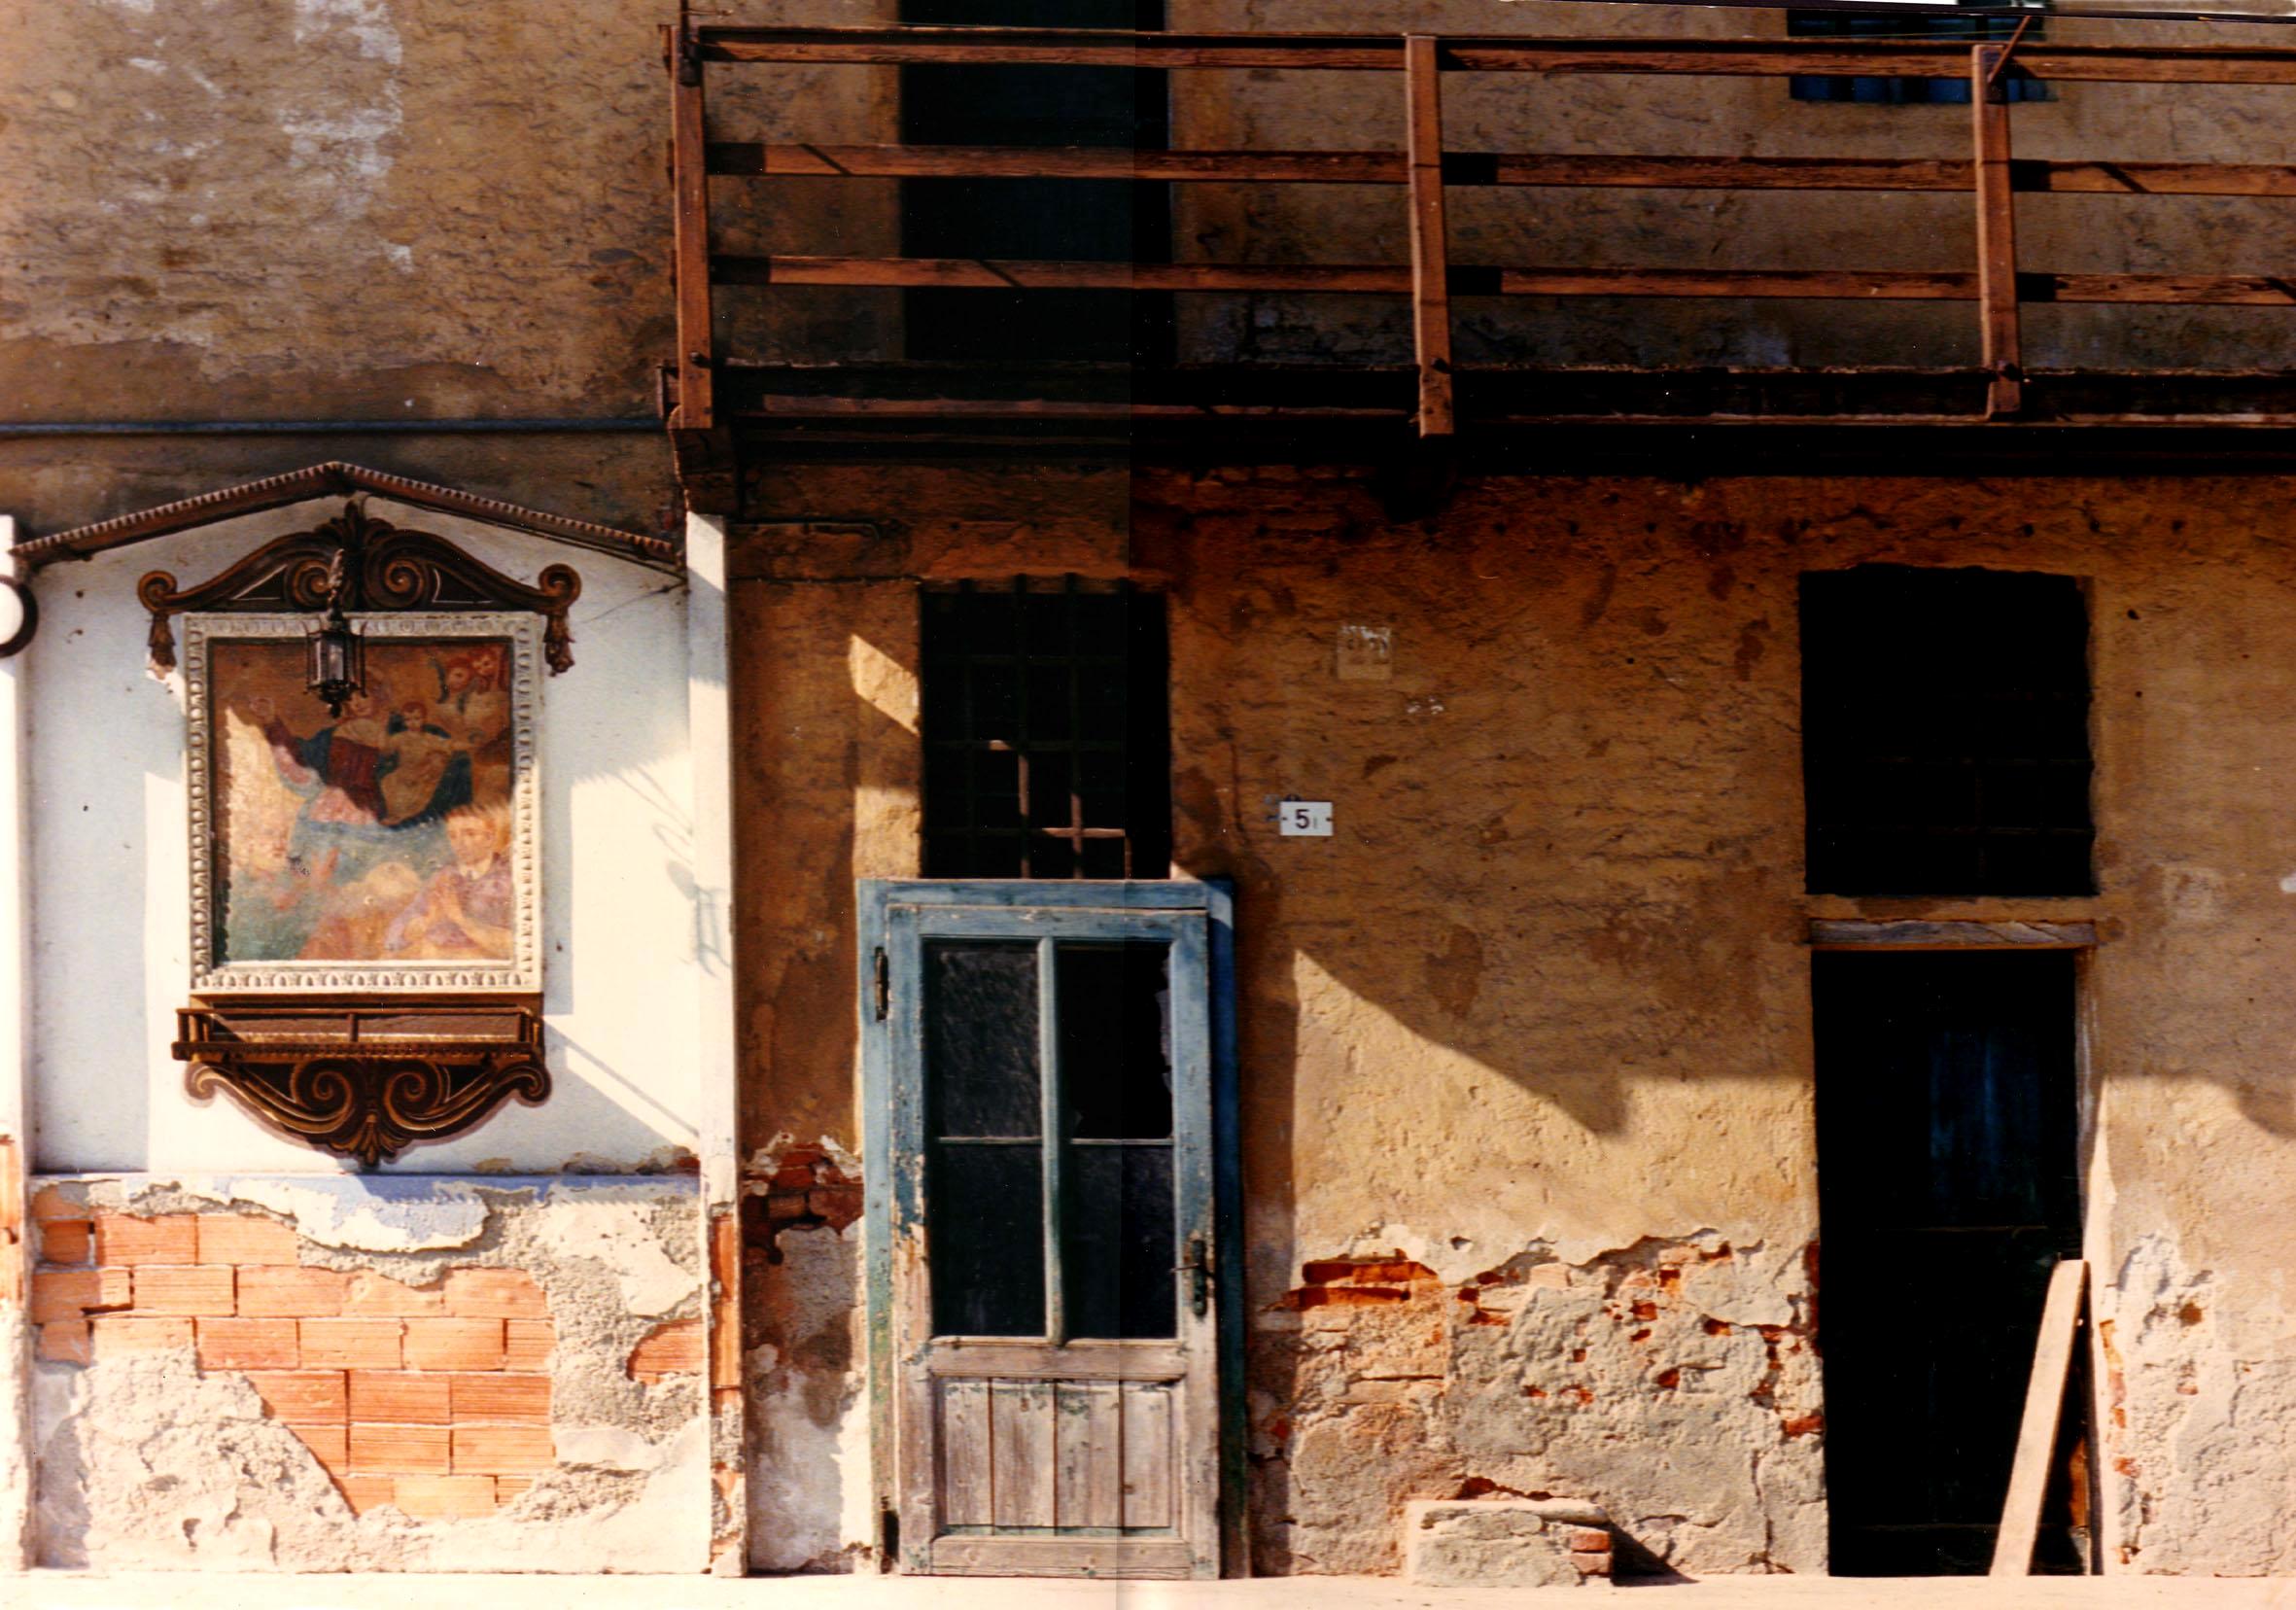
<point x="337" y="648"/>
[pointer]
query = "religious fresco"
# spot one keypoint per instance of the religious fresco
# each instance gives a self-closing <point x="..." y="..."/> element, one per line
<point x="382" y="839"/>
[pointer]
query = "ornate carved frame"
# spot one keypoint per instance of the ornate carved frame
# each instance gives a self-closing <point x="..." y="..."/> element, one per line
<point x="523" y="971"/>
<point x="385" y="568"/>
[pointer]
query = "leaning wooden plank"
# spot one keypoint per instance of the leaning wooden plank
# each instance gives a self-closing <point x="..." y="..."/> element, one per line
<point x="2036" y="1435"/>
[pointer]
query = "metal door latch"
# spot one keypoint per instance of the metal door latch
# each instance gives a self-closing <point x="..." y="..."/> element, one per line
<point x="1198" y="1266"/>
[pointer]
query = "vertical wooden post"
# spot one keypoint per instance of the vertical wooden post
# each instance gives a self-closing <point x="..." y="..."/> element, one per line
<point x="689" y="187"/>
<point x="1997" y="231"/>
<point x="1431" y="297"/>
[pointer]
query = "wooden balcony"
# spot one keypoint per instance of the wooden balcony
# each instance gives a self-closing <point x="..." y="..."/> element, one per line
<point x="1998" y="407"/>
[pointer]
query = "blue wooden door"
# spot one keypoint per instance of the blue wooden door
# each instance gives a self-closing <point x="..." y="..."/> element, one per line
<point x="1043" y="1235"/>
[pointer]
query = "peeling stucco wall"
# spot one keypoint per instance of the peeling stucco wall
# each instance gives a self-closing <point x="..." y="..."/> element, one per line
<point x="809" y="1488"/>
<point x="1675" y="1378"/>
<point x="1539" y="1010"/>
<point x="154" y="1455"/>
<point x="2199" y="1391"/>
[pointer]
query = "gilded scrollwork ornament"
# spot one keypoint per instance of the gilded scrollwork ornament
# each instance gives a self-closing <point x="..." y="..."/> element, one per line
<point x="367" y="1100"/>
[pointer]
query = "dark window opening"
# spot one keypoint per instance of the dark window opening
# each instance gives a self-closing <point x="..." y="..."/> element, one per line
<point x="1948" y="1190"/>
<point x="1046" y="732"/>
<point x="1945" y="732"/>
<point x="1909" y="92"/>
<point x="1060" y="220"/>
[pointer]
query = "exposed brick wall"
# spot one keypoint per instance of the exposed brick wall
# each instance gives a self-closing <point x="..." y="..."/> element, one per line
<point x="807" y="1187"/>
<point x="433" y="1398"/>
<point x="673" y="1349"/>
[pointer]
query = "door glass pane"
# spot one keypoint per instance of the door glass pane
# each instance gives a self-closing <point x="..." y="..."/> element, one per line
<point x="1119" y="1244"/>
<point x="980" y="1039"/>
<point x="1119" y="1255"/>
<point x="984" y="1166"/>
<point x="1116" y="1052"/>
<point x="985" y="1218"/>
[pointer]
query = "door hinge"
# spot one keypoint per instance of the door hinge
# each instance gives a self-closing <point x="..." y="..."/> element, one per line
<point x="1199" y="1269"/>
<point x="881" y="990"/>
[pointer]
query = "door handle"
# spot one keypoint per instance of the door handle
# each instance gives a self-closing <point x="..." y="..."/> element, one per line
<point x="1198" y="1266"/>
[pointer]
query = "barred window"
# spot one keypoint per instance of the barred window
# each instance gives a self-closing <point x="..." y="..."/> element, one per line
<point x="1945" y="736"/>
<point x="1046" y="732"/>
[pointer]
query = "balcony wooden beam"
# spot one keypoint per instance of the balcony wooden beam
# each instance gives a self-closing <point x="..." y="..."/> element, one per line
<point x="1909" y="174"/>
<point x="1739" y="58"/>
<point x="1478" y="280"/>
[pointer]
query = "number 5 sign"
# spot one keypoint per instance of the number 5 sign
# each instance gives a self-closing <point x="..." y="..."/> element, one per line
<point x="1305" y="819"/>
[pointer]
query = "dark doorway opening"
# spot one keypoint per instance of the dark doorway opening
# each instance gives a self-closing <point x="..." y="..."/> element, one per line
<point x="1060" y="220"/>
<point x="1948" y="1187"/>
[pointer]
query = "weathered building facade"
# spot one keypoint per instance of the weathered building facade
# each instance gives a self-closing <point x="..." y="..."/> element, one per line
<point x="1236" y="871"/>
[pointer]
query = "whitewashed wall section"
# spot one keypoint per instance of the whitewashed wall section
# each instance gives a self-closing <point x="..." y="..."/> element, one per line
<point x="110" y="874"/>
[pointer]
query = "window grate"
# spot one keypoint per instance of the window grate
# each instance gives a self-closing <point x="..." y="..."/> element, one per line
<point x="1046" y="742"/>
<point x="1945" y="741"/>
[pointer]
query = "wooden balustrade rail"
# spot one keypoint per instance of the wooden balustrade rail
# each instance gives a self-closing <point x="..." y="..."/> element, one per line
<point x="1992" y="176"/>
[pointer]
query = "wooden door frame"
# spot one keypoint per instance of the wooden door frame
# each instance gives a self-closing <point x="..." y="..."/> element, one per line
<point x="1214" y="899"/>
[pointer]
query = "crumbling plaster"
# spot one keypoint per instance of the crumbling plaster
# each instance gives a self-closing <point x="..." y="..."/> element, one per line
<point x="145" y="1461"/>
<point x="809" y="1489"/>
<point x="1541" y="1005"/>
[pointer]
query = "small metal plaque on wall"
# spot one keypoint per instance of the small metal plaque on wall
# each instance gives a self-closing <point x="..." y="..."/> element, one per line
<point x="1305" y="819"/>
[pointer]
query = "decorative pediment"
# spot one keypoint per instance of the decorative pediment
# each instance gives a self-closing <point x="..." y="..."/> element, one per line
<point x="339" y="479"/>
<point x="383" y="568"/>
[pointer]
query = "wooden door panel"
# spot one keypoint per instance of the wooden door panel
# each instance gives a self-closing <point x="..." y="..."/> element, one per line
<point x="1020" y="1453"/>
<point x="968" y="1475"/>
<point x="1088" y="1444"/>
<point x="1149" y="1455"/>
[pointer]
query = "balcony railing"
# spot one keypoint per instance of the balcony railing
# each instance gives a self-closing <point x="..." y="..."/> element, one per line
<point x="1435" y="398"/>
